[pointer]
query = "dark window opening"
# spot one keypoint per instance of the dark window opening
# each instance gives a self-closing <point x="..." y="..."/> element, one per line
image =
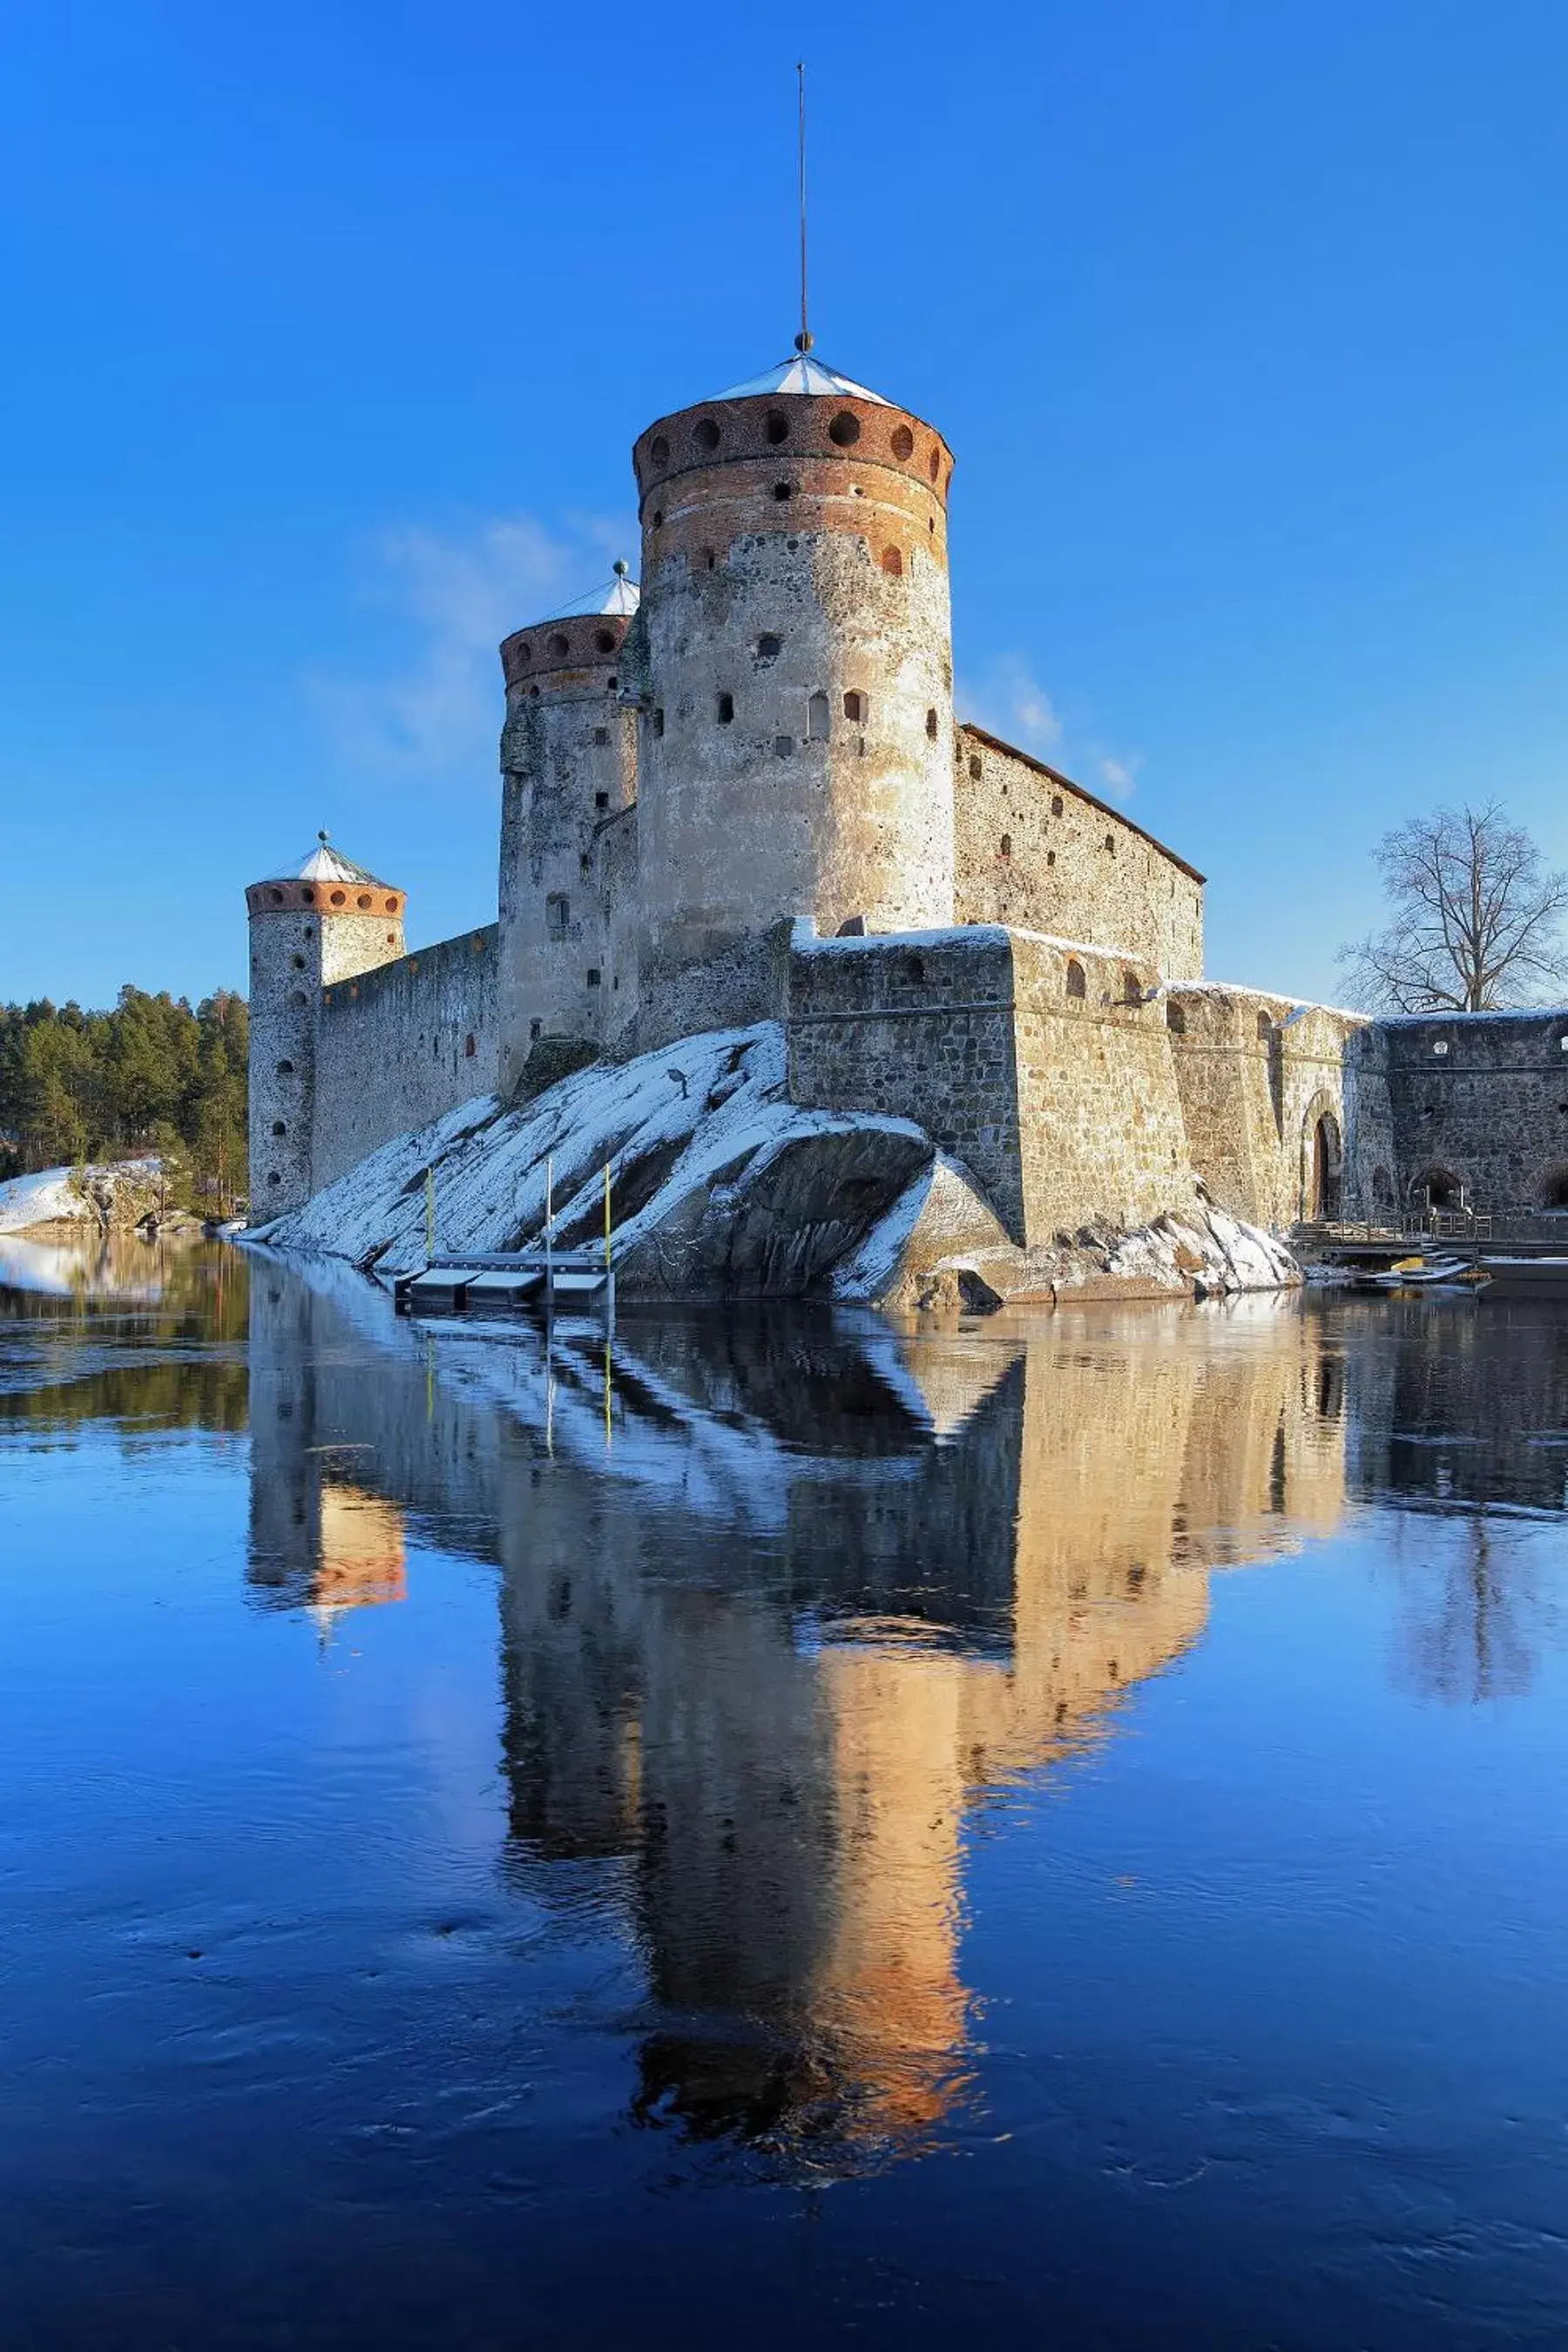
<point x="557" y="915"/>
<point x="1050" y="857"/>
<point x="844" y="429"/>
<point x="931" y="725"/>
<point x="783" y="490"/>
<point x="469" y="1047"/>
<point x="560" y="645"/>
<point x="604" y="641"/>
<point x="1055" y="805"/>
<point x="1004" y="846"/>
<point x="776" y="426"/>
<point x="857" y="708"/>
<point x="903" y="442"/>
<point x="535" y="1031"/>
<point x="1110" y="844"/>
<point x="284" y="1069"/>
<point x="658" y="518"/>
<point x="601" y="736"/>
<point x="783" y="745"/>
<point x="279" y="1127"/>
<point x="817" y="718"/>
<point x="593" y="975"/>
<point x="769" y="647"/>
<point x="1131" y="988"/>
<point x="707" y="435"/>
<point x="659" y="723"/>
<point x="892" y="564"/>
<point x="659" y="452"/>
<point x="726" y="710"/>
<point x="601" y="800"/>
<point x="1077" y="985"/>
<point x="1265" y="1029"/>
<point x="1175" y="1019"/>
<point x="976" y="765"/>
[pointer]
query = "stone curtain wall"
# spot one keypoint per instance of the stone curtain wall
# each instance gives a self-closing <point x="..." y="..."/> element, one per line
<point x="1102" y="1134"/>
<point x="1072" y="1089"/>
<point x="401" y="1044"/>
<point x="1031" y="851"/>
<point x="917" y="1027"/>
<point x="1478" y="1100"/>
<point x="1254" y="1082"/>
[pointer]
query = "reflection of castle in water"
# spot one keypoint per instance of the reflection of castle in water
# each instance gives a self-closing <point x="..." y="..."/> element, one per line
<point x="768" y="1638"/>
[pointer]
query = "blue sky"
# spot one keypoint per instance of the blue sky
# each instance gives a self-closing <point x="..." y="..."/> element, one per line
<point x="329" y="329"/>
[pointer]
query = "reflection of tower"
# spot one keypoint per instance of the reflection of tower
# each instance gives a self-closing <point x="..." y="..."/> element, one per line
<point x="568" y="771"/>
<point x="796" y="673"/>
<point x="318" y="1542"/>
<point x="322" y="923"/>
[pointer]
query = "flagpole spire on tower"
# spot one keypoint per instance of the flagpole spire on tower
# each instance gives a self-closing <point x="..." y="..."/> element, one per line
<point x="803" y="341"/>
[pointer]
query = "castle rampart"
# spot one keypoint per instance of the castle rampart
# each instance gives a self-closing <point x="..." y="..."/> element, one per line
<point x="402" y="1044"/>
<point x="1461" y="1108"/>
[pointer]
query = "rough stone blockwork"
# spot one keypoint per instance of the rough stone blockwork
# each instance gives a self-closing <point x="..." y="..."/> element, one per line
<point x="1463" y="1102"/>
<point x="402" y="1044"/>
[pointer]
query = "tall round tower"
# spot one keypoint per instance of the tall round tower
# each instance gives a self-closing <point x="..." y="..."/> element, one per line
<point x="569" y="776"/>
<point x="323" y="921"/>
<point x="795" y="746"/>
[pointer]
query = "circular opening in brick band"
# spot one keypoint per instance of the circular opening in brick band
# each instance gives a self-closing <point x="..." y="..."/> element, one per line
<point x="604" y="641"/>
<point x="903" y="442"/>
<point x="845" y="430"/>
<point x="363" y="902"/>
<point x="658" y="518"/>
<point x="275" y="897"/>
<point x="308" y="897"/>
<point x="340" y="899"/>
<point x="707" y="435"/>
<point x="560" y="645"/>
<point x="391" y="905"/>
<point x="284" y="1069"/>
<point x="892" y="564"/>
<point x="523" y="652"/>
<point x="776" y="426"/>
<point x="935" y="465"/>
<point x="660" y="451"/>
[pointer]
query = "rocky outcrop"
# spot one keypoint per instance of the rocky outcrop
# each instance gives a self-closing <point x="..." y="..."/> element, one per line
<point x="108" y="1199"/>
<point x="721" y="1186"/>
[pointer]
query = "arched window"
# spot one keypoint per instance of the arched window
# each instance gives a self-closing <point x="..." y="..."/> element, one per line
<point x="1326" y="1164"/>
<point x="557" y="914"/>
<point x="1265" y="1029"/>
<point x="857" y="708"/>
<point x="1175" y="1019"/>
<point x="892" y="564"/>
<point x="470" y="1048"/>
<point x="1004" y="846"/>
<point x="1131" y="989"/>
<point x="817" y="718"/>
<point x="1077" y="985"/>
<point x="1554" y="1191"/>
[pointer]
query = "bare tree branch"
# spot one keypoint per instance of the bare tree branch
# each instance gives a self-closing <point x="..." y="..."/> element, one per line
<point x="1473" y="921"/>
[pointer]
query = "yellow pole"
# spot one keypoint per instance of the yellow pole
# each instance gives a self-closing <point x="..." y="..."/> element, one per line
<point x="607" y="1216"/>
<point x="430" y="1212"/>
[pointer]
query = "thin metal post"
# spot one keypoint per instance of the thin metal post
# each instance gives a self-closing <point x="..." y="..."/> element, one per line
<point x="430" y="1212"/>
<point x="803" y="341"/>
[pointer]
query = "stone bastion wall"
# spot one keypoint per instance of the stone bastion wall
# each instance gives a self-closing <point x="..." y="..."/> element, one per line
<point x="1073" y="1086"/>
<point x="1476" y="1102"/>
<point x="401" y="1044"/>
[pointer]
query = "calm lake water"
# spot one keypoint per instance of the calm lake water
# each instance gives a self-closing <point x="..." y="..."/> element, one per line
<point x="776" y="1831"/>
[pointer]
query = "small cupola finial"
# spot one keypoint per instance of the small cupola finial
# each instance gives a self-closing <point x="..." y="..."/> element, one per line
<point x="324" y="837"/>
<point x="620" y="567"/>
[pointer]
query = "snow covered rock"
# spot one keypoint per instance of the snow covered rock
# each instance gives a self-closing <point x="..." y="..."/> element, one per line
<point x="115" y="1195"/>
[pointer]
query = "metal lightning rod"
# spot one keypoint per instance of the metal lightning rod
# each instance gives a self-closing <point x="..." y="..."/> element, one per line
<point x="803" y="341"/>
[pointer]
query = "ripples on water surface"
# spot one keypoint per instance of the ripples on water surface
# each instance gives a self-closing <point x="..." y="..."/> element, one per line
<point x="779" y="1830"/>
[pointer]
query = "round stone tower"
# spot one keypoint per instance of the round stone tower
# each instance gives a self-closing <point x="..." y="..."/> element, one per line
<point x="795" y="744"/>
<point x="569" y="781"/>
<point x="322" y="923"/>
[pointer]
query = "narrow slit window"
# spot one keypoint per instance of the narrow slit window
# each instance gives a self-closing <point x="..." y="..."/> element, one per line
<point x="726" y="710"/>
<point x="817" y="718"/>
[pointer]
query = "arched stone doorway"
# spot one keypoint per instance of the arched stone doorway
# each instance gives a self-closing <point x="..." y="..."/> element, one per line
<point x="1325" y="1167"/>
<point x="1554" y="1189"/>
<point x="1436" y="1187"/>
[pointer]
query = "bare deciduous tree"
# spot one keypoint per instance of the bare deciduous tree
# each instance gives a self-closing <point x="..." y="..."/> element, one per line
<point x="1473" y="918"/>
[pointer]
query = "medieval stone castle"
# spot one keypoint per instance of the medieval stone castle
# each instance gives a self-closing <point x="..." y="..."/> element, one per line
<point x="742" y="794"/>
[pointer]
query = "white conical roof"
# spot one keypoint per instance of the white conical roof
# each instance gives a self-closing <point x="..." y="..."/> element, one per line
<point x="326" y="864"/>
<point x="802" y="374"/>
<point x="622" y="596"/>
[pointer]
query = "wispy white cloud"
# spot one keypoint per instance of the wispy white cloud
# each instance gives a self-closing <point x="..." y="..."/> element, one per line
<point x="453" y="596"/>
<point x="1119" y="777"/>
<point x="1009" y="700"/>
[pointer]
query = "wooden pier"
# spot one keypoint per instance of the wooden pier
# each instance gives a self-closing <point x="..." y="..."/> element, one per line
<point x="505" y="1282"/>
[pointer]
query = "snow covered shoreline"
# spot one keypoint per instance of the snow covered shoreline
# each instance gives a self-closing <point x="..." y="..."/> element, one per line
<point x="722" y="1187"/>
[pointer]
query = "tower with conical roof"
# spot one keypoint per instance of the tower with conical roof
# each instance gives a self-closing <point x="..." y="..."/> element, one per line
<point x="567" y="983"/>
<point x="320" y="921"/>
<point x="794" y="663"/>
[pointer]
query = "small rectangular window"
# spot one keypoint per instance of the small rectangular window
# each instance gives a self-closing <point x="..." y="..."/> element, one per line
<point x="726" y="710"/>
<point x="557" y="915"/>
<point x="817" y="718"/>
<point x="601" y="735"/>
<point x="659" y="723"/>
<point x="783" y="745"/>
<point x="601" y="800"/>
<point x="593" y="975"/>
